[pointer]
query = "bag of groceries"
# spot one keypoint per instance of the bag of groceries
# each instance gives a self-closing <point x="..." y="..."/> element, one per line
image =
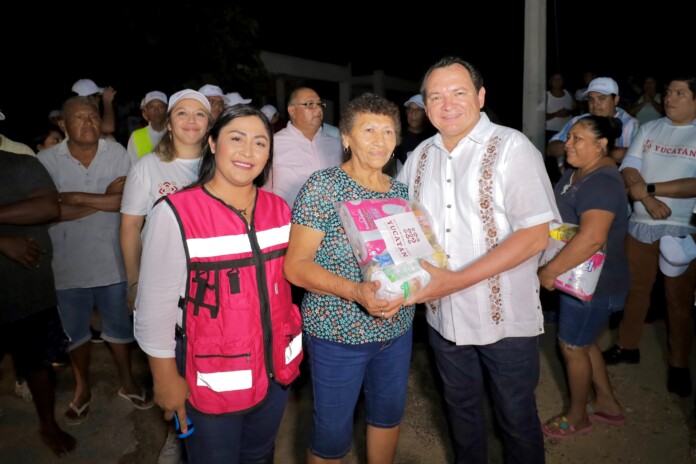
<point x="388" y="237"/>
<point x="581" y="281"/>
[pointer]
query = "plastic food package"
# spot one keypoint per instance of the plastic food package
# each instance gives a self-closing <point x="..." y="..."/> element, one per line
<point x="388" y="237"/>
<point x="581" y="281"/>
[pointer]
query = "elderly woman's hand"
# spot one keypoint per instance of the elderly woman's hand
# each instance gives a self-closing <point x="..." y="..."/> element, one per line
<point x="364" y="295"/>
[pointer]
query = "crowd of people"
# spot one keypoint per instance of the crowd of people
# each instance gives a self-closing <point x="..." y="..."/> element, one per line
<point x="213" y="241"/>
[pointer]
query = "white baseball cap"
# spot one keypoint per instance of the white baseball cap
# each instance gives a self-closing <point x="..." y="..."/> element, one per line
<point x="269" y="111"/>
<point x="155" y="95"/>
<point x="85" y="87"/>
<point x="211" y="91"/>
<point x="188" y="93"/>
<point x="417" y="99"/>
<point x="676" y="253"/>
<point x="603" y="85"/>
<point x="233" y="98"/>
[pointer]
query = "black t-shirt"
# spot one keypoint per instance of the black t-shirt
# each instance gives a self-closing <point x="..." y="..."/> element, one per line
<point x="24" y="291"/>
<point x="602" y="189"/>
<point x="410" y="141"/>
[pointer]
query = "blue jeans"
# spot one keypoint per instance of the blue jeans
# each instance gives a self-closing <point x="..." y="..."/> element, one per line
<point x="338" y="372"/>
<point x="76" y="305"/>
<point x="512" y="367"/>
<point x="247" y="437"/>
<point x="581" y="321"/>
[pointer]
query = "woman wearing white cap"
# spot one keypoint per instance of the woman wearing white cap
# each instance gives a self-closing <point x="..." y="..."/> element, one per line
<point x="173" y="165"/>
<point x="169" y="168"/>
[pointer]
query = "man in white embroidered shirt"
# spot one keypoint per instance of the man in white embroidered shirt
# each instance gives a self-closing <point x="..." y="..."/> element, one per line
<point x="491" y="201"/>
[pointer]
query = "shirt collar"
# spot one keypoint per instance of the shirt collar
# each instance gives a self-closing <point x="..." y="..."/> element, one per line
<point x="477" y="134"/>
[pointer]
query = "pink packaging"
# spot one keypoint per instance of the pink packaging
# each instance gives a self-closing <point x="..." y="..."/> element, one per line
<point x="388" y="237"/>
<point x="362" y="214"/>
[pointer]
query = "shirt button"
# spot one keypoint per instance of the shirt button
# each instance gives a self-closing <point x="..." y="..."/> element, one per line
<point x="447" y="230"/>
<point x="449" y="206"/>
<point x="449" y="157"/>
<point x="449" y="180"/>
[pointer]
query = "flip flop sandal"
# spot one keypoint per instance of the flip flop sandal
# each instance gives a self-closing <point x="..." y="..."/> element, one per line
<point x="617" y="420"/>
<point x="558" y="427"/>
<point x="133" y="398"/>
<point x="76" y="415"/>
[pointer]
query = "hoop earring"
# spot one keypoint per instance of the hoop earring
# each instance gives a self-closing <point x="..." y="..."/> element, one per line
<point x="346" y="150"/>
<point x="392" y="155"/>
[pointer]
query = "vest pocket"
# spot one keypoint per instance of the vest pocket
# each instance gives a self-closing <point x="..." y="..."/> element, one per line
<point x="226" y="376"/>
<point x="288" y="356"/>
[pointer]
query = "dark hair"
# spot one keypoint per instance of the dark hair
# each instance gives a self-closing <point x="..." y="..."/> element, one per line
<point x="689" y="79"/>
<point x="207" y="170"/>
<point x="604" y="127"/>
<point x="476" y="77"/>
<point x="41" y="136"/>
<point x="369" y="103"/>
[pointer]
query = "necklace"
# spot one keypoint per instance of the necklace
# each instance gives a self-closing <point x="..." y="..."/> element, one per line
<point x="241" y="210"/>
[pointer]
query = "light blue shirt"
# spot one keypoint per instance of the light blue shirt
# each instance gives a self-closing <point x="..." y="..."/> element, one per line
<point x="628" y="132"/>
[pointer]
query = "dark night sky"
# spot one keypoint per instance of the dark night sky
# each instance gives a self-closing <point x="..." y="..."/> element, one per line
<point x="46" y="50"/>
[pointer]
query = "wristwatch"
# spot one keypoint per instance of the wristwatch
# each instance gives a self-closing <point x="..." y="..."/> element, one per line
<point x="651" y="189"/>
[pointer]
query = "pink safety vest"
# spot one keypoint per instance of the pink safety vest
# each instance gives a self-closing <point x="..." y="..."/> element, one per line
<point x="240" y="328"/>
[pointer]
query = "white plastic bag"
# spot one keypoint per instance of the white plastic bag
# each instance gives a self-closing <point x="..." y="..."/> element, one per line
<point x="581" y="281"/>
<point x="388" y="237"/>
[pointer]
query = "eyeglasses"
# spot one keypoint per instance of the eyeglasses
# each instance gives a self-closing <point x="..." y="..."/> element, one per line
<point x="311" y="105"/>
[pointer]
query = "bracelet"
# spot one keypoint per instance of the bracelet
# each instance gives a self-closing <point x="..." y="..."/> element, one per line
<point x="132" y="286"/>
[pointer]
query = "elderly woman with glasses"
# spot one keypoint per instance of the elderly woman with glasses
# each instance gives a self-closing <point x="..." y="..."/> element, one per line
<point x="354" y="340"/>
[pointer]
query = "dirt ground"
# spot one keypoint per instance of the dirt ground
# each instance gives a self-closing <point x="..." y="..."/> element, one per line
<point x="659" y="427"/>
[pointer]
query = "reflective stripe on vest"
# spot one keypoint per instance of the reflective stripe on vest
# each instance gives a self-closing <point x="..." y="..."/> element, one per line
<point x="230" y="244"/>
<point x="239" y="326"/>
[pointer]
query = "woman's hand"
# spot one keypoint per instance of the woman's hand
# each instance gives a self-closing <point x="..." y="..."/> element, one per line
<point x="171" y="395"/>
<point x="364" y="295"/>
<point x="546" y="279"/>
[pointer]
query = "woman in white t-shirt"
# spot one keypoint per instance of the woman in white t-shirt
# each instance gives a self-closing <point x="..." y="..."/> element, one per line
<point x="172" y="166"/>
<point x="559" y="106"/>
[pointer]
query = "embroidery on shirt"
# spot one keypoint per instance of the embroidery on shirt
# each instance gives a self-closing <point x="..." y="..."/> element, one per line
<point x="489" y="227"/>
<point x="417" y="185"/>
<point x="420" y="170"/>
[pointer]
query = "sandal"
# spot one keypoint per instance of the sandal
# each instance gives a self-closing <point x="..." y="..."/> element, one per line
<point x="75" y="415"/>
<point x="143" y="405"/>
<point x="558" y="427"/>
<point x="605" y="418"/>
